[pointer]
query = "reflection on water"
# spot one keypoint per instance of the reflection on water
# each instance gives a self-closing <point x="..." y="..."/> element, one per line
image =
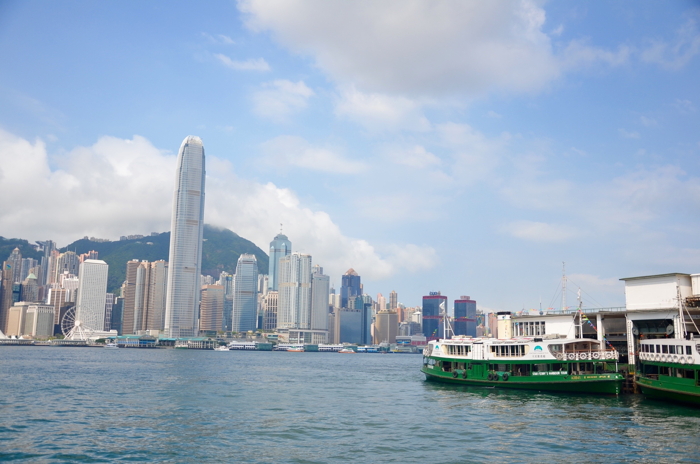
<point x="93" y="405"/>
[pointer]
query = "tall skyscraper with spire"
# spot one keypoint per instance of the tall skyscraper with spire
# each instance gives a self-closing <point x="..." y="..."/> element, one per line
<point x="280" y="247"/>
<point x="186" y="230"/>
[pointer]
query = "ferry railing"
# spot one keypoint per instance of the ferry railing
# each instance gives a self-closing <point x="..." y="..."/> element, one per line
<point x="587" y="355"/>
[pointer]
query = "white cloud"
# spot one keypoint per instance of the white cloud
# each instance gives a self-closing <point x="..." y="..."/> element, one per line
<point x="578" y="53"/>
<point x="253" y="64"/>
<point x="474" y="155"/>
<point x="415" y="47"/>
<point x="684" y="106"/>
<point x="415" y="157"/>
<point x="219" y="39"/>
<point x="118" y="187"/>
<point x="378" y="112"/>
<point x="541" y="231"/>
<point x="628" y="134"/>
<point x="677" y="54"/>
<point x="279" y="99"/>
<point x="647" y="122"/>
<point x="493" y="114"/>
<point x="288" y="150"/>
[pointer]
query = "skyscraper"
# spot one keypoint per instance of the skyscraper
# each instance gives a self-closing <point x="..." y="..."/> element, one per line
<point x="15" y="260"/>
<point x="465" y="316"/>
<point x="187" y="227"/>
<point x="294" y="309"/>
<point x="279" y="248"/>
<point x="245" y="294"/>
<point x="432" y="319"/>
<point x="90" y="303"/>
<point x="212" y="308"/>
<point x="393" y="300"/>
<point x="350" y="286"/>
<point x="320" y="291"/>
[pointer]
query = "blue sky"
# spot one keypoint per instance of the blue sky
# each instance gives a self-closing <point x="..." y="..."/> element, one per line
<point x="462" y="147"/>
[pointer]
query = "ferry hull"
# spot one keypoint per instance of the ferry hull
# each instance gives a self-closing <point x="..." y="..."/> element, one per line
<point x="659" y="390"/>
<point x="601" y="384"/>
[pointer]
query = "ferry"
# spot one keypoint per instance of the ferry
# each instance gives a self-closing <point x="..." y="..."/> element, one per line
<point x="347" y="350"/>
<point x="669" y="369"/>
<point x="547" y="363"/>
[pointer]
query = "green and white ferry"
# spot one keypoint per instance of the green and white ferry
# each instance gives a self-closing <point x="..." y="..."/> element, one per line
<point x="547" y="363"/>
<point x="669" y="369"/>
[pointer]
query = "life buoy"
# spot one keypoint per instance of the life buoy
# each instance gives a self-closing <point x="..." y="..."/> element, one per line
<point x="689" y="359"/>
<point x="596" y="355"/>
<point x="560" y="356"/>
<point x="682" y="360"/>
<point x="505" y="376"/>
<point x="583" y="356"/>
<point x="572" y="356"/>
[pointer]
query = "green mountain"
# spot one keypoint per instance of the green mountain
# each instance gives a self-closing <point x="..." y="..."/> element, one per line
<point x="220" y="252"/>
<point x="9" y="244"/>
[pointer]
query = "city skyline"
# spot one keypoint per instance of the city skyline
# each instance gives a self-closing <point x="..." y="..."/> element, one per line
<point x="470" y="148"/>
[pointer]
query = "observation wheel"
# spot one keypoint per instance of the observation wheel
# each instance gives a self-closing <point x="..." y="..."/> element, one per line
<point x="68" y="322"/>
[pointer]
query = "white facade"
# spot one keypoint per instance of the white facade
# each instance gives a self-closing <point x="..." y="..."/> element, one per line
<point x="656" y="292"/>
<point x="90" y="303"/>
<point x="294" y="311"/>
<point x="695" y="284"/>
<point x="186" y="233"/>
<point x="38" y="321"/>
<point x="245" y="294"/>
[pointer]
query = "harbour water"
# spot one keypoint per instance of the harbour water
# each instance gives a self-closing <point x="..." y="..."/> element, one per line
<point x="99" y="405"/>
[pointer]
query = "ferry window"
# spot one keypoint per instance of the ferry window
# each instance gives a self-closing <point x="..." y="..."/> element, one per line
<point x="672" y="349"/>
<point x="688" y="373"/>
<point x="658" y="349"/>
<point x="664" y="349"/>
<point x="556" y="367"/>
<point x="540" y="367"/>
<point x="679" y="349"/>
<point x="688" y="350"/>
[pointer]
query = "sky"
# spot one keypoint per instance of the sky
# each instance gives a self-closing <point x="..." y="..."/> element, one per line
<point x="465" y="147"/>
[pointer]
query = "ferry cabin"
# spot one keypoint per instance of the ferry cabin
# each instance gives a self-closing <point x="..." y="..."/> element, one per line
<point x="670" y="369"/>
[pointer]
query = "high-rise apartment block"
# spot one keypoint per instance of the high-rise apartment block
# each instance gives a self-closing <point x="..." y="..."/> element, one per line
<point x="144" y="293"/>
<point x="186" y="234"/>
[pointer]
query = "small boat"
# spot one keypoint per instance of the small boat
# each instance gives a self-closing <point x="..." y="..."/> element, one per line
<point x="296" y="349"/>
<point x="111" y="345"/>
<point x="346" y="350"/>
<point x="669" y="370"/>
<point x="222" y="348"/>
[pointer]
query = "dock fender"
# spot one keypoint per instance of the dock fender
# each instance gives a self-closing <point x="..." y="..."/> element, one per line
<point x="455" y="374"/>
<point x="505" y="376"/>
<point x="464" y="374"/>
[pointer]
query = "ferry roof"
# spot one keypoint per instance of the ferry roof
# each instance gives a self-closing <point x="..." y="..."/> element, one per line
<point x="657" y="275"/>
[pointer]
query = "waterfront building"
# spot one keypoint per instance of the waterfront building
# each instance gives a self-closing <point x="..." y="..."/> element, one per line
<point x="269" y="305"/>
<point x="348" y="326"/>
<point x="186" y="233"/>
<point x="245" y="294"/>
<point x="15" y="319"/>
<point x="465" y="317"/>
<point x="90" y="302"/>
<point x="294" y="310"/>
<point x="129" y="295"/>
<point x="432" y="318"/>
<point x="351" y="286"/>
<point x="38" y="321"/>
<point x="386" y="326"/>
<point x="320" y="292"/>
<point x="280" y="247"/>
<point x="211" y="308"/>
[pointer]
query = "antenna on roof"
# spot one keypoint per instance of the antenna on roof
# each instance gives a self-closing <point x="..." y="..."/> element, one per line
<point x="280" y="227"/>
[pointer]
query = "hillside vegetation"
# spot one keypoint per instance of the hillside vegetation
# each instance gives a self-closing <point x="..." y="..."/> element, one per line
<point x="221" y="250"/>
